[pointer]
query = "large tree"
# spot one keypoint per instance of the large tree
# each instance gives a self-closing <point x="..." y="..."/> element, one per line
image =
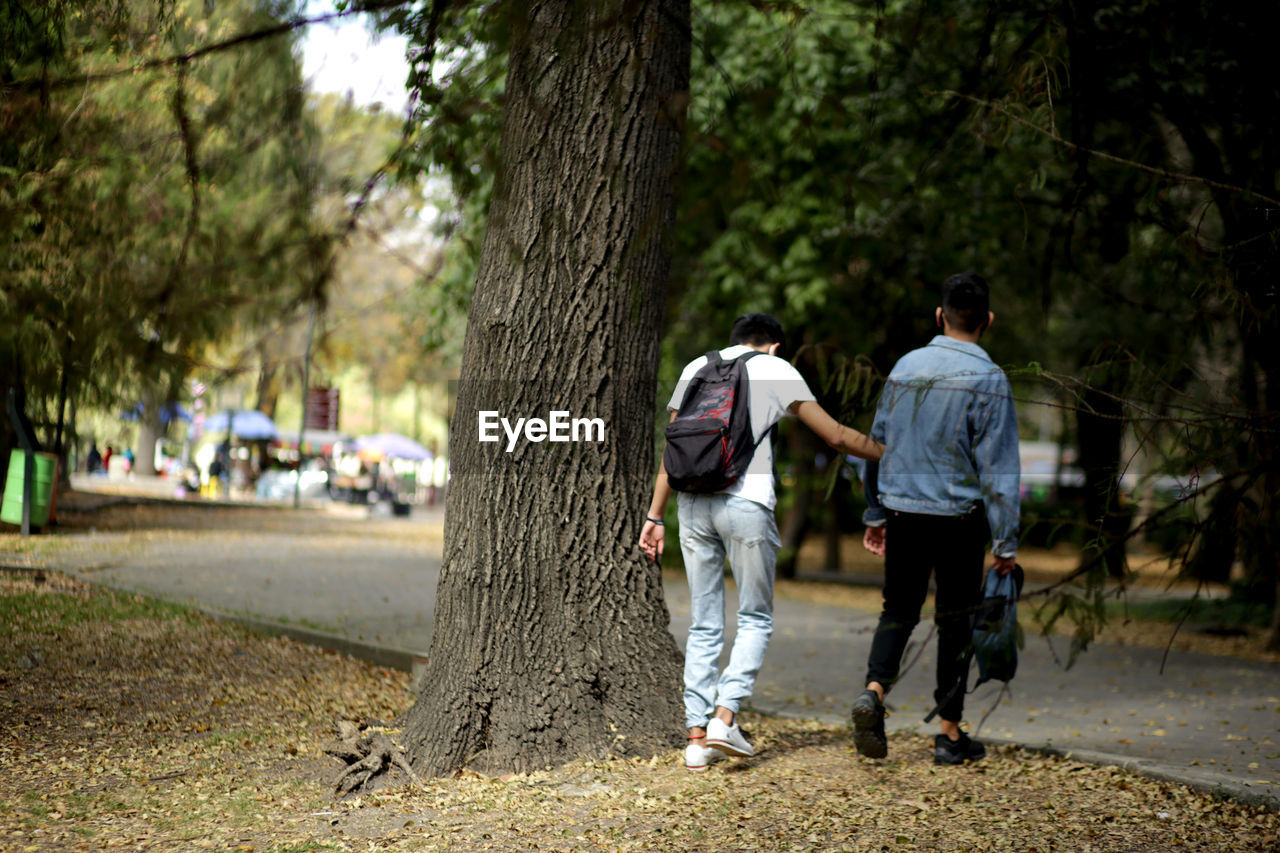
<point x="550" y="637"/>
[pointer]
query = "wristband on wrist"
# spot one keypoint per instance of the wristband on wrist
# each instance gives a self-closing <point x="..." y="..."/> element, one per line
<point x="656" y="521"/>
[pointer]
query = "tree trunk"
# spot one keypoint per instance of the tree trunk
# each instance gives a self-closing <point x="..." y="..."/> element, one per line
<point x="60" y="444"/>
<point x="71" y="449"/>
<point x="62" y="407"/>
<point x="1218" y="538"/>
<point x="268" y="391"/>
<point x="835" y="511"/>
<point x="551" y="636"/>
<point x="804" y="450"/>
<point x="1100" y="429"/>
<point x="144" y="454"/>
<point x="1255" y="267"/>
<point x="417" y="411"/>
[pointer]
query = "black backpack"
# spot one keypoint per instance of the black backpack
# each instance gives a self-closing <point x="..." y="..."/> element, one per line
<point x="709" y="444"/>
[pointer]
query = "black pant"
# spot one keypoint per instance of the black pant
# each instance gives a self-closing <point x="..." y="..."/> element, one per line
<point x="953" y="548"/>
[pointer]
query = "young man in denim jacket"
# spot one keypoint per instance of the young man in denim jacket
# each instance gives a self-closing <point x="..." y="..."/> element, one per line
<point x="947" y="483"/>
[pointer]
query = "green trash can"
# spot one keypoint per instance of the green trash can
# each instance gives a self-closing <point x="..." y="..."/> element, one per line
<point x="46" y="469"/>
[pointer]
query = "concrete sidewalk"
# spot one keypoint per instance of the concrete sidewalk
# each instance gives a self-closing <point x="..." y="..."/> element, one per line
<point x="367" y="585"/>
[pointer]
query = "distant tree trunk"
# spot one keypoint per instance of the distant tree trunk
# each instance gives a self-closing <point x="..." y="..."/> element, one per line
<point x="59" y="436"/>
<point x="1100" y="427"/>
<point x="551" y="636"/>
<point x="1219" y="534"/>
<point x="15" y="384"/>
<point x="1255" y="268"/>
<point x="417" y="411"/>
<point x="61" y="414"/>
<point x="268" y="392"/>
<point x="835" y="510"/>
<point x="70" y="449"/>
<point x="144" y="454"/>
<point x="804" y="450"/>
<point x="10" y="380"/>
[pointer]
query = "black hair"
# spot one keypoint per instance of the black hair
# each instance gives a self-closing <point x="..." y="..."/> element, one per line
<point x="966" y="301"/>
<point x="757" y="330"/>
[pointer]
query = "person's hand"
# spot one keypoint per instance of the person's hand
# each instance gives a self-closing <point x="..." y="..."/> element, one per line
<point x="652" y="537"/>
<point x="1003" y="565"/>
<point x="873" y="540"/>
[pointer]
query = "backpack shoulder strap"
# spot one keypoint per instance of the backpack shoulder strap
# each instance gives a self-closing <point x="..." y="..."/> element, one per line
<point x="772" y="432"/>
<point x="700" y="377"/>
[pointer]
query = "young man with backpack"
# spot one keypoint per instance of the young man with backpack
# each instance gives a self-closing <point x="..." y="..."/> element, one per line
<point x="719" y="459"/>
<point x="947" y="484"/>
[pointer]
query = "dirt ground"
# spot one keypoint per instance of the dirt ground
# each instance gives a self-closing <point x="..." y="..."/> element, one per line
<point x="129" y="724"/>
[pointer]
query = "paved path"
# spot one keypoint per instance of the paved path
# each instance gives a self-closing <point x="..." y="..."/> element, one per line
<point x="1208" y="720"/>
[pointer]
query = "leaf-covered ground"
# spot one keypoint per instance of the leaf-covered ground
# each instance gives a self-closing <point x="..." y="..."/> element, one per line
<point x="129" y="724"/>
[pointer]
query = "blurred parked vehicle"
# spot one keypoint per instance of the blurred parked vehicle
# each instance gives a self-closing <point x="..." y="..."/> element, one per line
<point x="277" y="484"/>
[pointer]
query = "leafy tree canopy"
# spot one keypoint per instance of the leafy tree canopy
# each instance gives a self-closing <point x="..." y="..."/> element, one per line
<point x="1103" y="164"/>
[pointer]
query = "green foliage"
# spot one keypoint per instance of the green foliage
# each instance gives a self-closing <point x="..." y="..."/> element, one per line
<point x="830" y="182"/>
<point x="1082" y="603"/>
<point x="146" y="215"/>
<point x="1234" y="611"/>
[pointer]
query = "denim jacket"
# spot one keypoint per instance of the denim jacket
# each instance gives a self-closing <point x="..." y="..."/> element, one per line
<point x="946" y="417"/>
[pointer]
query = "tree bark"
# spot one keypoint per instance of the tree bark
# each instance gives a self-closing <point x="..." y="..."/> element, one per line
<point x="551" y="636"/>
<point x="1255" y="268"/>
<point x="835" y="511"/>
<point x="1100" y="427"/>
<point x="804" y="449"/>
<point x="144" y="454"/>
<point x="268" y="391"/>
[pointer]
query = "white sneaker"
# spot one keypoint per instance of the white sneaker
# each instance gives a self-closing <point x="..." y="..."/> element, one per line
<point x="697" y="757"/>
<point x="727" y="739"/>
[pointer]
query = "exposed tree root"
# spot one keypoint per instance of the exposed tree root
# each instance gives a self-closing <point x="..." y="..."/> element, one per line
<point x="369" y="751"/>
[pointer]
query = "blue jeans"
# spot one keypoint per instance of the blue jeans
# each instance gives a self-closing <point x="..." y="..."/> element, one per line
<point x="711" y="528"/>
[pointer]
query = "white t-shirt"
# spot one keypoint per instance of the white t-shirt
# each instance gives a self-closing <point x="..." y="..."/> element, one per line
<point x="774" y="385"/>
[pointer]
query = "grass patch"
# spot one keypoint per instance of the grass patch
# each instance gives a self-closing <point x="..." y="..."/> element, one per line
<point x="1229" y="612"/>
<point x="24" y="613"/>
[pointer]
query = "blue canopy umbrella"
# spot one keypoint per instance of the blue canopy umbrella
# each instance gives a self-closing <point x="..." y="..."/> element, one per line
<point x="245" y="424"/>
<point x="168" y="412"/>
<point x="394" y="445"/>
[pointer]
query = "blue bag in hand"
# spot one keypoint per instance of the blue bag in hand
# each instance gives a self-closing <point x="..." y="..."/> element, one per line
<point x="996" y="634"/>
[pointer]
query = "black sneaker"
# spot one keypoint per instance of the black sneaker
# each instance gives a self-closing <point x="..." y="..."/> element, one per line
<point x="868" y="725"/>
<point x="948" y="751"/>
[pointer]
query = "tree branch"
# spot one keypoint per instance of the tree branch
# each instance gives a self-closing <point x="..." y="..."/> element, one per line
<point x="1176" y="177"/>
<point x="216" y="47"/>
<point x="183" y="118"/>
